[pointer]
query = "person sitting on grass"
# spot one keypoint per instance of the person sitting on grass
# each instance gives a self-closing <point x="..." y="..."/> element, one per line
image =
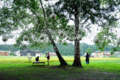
<point x="48" y="57"/>
<point x="37" y="60"/>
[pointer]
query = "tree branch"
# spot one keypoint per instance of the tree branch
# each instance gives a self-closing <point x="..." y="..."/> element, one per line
<point x="31" y="10"/>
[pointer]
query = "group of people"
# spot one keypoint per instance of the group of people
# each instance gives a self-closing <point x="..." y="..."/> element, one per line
<point x="48" y="57"/>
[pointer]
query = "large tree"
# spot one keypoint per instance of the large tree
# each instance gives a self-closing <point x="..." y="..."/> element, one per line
<point x="85" y="12"/>
<point x="20" y="14"/>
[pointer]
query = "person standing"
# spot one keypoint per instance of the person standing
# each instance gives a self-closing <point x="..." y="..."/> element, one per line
<point x="87" y="58"/>
<point x="37" y="60"/>
<point x="48" y="57"/>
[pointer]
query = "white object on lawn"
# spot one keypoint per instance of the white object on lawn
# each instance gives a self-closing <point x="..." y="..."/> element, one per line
<point x="29" y="56"/>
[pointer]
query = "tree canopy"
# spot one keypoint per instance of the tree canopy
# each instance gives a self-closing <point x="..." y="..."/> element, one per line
<point x="84" y="13"/>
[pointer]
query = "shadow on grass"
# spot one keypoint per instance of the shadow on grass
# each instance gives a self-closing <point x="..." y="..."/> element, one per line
<point x="54" y="72"/>
<point x="56" y="66"/>
<point x="37" y="65"/>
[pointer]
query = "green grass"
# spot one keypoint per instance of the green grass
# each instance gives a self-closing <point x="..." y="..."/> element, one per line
<point x="101" y="68"/>
<point x="43" y="58"/>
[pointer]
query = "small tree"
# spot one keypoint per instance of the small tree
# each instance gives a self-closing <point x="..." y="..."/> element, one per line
<point x="89" y="50"/>
<point x="11" y="53"/>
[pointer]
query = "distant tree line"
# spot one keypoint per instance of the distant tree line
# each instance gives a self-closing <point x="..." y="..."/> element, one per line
<point x="8" y="48"/>
<point x="64" y="49"/>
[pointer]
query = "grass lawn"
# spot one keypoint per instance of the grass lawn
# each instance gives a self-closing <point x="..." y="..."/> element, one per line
<point x="19" y="68"/>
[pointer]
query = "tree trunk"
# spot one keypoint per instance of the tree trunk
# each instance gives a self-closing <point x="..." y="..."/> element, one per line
<point x="62" y="61"/>
<point x="77" y="61"/>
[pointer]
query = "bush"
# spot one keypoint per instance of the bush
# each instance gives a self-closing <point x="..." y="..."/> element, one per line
<point x="12" y="53"/>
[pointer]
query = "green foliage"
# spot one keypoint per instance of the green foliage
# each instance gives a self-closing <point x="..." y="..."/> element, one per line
<point x="105" y="39"/>
<point x="89" y="50"/>
<point x="22" y="47"/>
<point x="114" y="49"/>
<point x="12" y="53"/>
<point x="111" y="52"/>
<point x="34" y="33"/>
<point x="65" y="44"/>
<point x="8" y="48"/>
<point x="85" y="7"/>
